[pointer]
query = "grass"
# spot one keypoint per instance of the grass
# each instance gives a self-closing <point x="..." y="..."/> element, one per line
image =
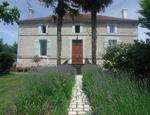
<point x="44" y="92"/>
<point x="114" y="93"/>
<point x="8" y="88"/>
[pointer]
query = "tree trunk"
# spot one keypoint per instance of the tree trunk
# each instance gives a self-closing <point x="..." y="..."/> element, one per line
<point x="59" y="39"/>
<point x="94" y="35"/>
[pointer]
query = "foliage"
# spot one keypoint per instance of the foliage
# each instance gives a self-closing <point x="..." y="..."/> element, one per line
<point x="114" y="93"/>
<point x="46" y="93"/>
<point x="8" y="48"/>
<point x="61" y="7"/>
<point x="8" y="55"/>
<point x="116" y="57"/>
<point x="36" y="59"/>
<point x="8" y="14"/>
<point x="145" y="12"/>
<point x="36" y="93"/>
<point x="6" y="61"/>
<point x="90" y="5"/>
<point x="9" y="85"/>
<point x="129" y="57"/>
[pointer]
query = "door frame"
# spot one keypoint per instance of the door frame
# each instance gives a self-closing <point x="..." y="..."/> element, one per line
<point x="79" y="38"/>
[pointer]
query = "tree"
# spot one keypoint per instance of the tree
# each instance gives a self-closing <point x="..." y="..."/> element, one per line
<point x="145" y="12"/>
<point x="8" y="14"/>
<point x="93" y="6"/>
<point x="61" y="8"/>
<point x="8" y="55"/>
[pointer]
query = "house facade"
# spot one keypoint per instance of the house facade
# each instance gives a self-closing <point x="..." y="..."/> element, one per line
<point x="38" y="37"/>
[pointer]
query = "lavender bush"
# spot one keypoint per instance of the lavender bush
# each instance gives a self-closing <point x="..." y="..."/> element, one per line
<point x="114" y="93"/>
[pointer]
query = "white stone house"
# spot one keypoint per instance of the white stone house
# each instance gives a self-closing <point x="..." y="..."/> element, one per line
<point x="38" y="37"/>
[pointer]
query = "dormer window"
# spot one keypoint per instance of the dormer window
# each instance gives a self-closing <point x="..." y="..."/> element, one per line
<point x="77" y="29"/>
<point x="43" y="29"/>
<point x="112" y="28"/>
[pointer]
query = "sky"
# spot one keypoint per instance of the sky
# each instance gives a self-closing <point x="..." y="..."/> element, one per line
<point x="9" y="33"/>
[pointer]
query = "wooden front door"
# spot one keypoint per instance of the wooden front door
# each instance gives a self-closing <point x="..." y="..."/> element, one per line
<point x="77" y="52"/>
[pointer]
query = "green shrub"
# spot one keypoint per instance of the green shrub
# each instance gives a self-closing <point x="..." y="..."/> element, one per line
<point x="114" y="93"/>
<point x="6" y="61"/>
<point x="135" y="58"/>
<point x="45" y="93"/>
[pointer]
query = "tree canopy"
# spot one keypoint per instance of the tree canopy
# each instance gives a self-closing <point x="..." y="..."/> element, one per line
<point x="61" y="7"/>
<point x="145" y="12"/>
<point x="89" y="5"/>
<point x="8" y="14"/>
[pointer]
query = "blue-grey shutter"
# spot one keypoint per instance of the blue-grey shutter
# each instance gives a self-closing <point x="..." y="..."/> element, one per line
<point x="108" y="29"/>
<point x="39" y="29"/>
<point x="36" y="48"/>
<point x="49" y="48"/>
<point x="81" y="29"/>
<point x="116" y="29"/>
<point x="47" y="29"/>
<point x="73" y="29"/>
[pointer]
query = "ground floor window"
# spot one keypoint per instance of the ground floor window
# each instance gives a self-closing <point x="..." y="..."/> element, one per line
<point x="112" y="42"/>
<point x="43" y="47"/>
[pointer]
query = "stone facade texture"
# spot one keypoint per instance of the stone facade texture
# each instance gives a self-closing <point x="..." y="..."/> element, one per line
<point x="29" y="34"/>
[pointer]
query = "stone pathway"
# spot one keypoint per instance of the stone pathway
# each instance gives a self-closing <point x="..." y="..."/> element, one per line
<point x="79" y="104"/>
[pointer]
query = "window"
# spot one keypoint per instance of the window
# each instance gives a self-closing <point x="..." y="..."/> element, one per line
<point x="112" y="29"/>
<point x="77" y="28"/>
<point x="43" y="29"/>
<point x="43" y="47"/>
<point x="112" y="42"/>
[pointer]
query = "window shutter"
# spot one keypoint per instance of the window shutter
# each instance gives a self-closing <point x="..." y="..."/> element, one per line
<point x="116" y="29"/>
<point x="47" y="29"/>
<point x="39" y="30"/>
<point x="73" y="29"/>
<point x="81" y="29"/>
<point x="49" y="48"/>
<point x="108" y="29"/>
<point x="36" y="48"/>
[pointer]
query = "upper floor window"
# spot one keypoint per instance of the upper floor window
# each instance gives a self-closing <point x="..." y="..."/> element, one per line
<point x="43" y="47"/>
<point x="43" y="28"/>
<point x="77" y="29"/>
<point x="112" y="28"/>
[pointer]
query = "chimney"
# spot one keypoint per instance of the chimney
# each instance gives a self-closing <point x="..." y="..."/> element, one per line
<point x="30" y="10"/>
<point x="30" y="13"/>
<point x="124" y="13"/>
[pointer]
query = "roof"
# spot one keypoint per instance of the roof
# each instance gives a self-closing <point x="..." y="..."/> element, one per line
<point x="79" y="18"/>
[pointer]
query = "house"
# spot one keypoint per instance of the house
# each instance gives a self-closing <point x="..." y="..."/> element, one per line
<point x="38" y="37"/>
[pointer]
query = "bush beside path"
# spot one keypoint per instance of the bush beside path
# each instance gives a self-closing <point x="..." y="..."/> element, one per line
<point x="47" y="91"/>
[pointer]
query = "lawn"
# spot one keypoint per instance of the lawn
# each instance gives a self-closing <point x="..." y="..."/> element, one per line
<point x="9" y="85"/>
<point x="114" y="93"/>
<point x="44" y="92"/>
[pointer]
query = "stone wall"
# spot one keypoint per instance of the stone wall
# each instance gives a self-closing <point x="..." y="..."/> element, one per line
<point x="29" y="33"/>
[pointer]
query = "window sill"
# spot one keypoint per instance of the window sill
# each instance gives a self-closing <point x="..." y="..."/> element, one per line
<point x="43" y="33"/>
<point x="43" y="56"/>
<point x="112" y="33"/>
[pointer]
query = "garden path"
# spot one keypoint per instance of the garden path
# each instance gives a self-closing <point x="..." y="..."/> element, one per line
<point x="79" y="104"/>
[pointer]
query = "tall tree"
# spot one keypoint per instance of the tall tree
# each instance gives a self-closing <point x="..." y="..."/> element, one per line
<point x="8" y="14"/>
<point x="60" y="8"/>
<point x="93" y="6"/>
<point x="145" y="12"/>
